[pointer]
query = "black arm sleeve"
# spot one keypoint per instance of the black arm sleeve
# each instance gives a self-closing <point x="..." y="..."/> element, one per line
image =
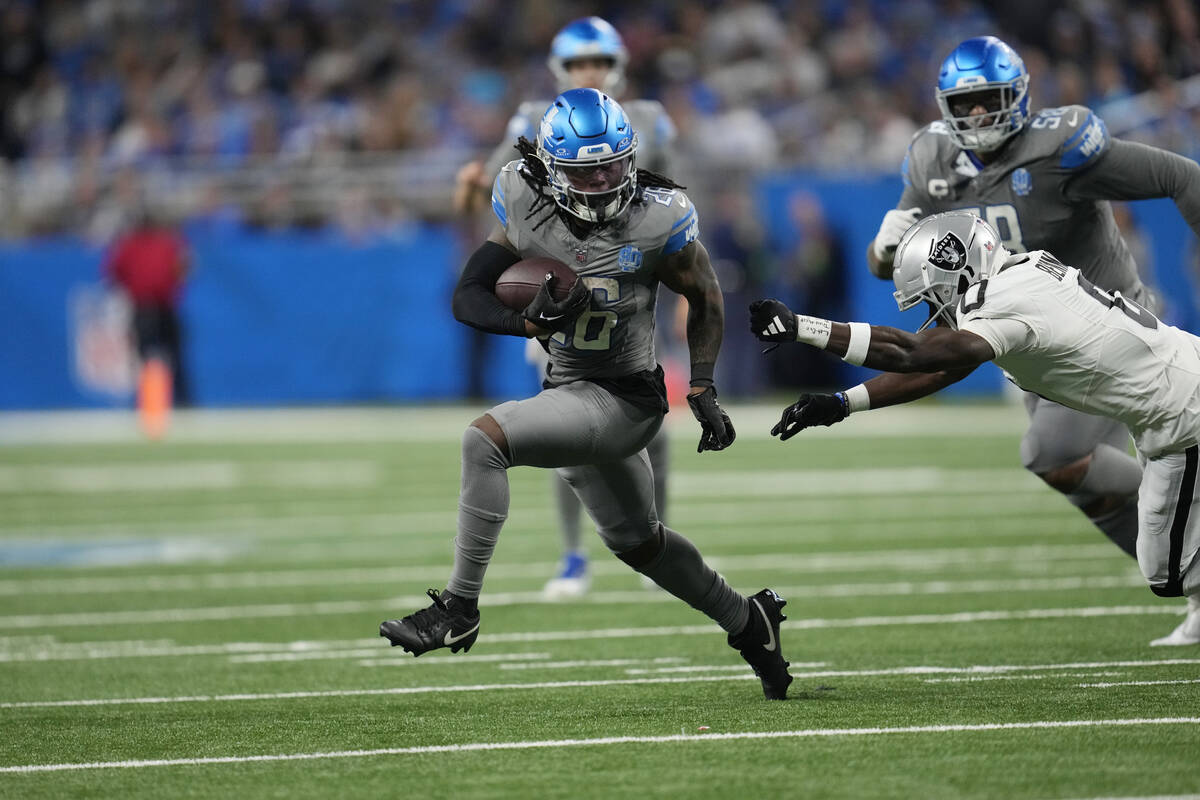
<point x="475" y="302"/>
<point x="1132" y="171"/>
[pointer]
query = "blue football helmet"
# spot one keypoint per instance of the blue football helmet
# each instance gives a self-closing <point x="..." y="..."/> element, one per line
<point x="588" y="146"/>
<point x="589" y="37"/>
<point x="983" y="71"/>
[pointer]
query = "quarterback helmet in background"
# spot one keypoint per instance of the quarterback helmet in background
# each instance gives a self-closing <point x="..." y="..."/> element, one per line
<point x="589" y="37"/>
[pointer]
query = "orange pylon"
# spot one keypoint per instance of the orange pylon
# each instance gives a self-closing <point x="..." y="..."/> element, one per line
<point x="154" y="398"/>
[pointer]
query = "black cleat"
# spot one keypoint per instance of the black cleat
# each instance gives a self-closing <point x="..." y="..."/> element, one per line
<point x="440" y="625"/>
<point x="759" y="644"/>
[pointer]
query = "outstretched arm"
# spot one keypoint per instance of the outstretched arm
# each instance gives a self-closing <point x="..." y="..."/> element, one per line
<point x="918" y="364"/>
<point x="935" y="350"/>
<point x="895" y="388"/>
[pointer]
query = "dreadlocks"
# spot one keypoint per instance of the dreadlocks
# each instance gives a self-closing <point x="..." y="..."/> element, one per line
<point x="533" y="171"/>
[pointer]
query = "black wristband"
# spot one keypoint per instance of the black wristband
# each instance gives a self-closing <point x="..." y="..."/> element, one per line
<point x="702" y="374"/>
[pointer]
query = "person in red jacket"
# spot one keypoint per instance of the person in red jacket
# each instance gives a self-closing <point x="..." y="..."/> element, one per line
<point x="149" y="263"/>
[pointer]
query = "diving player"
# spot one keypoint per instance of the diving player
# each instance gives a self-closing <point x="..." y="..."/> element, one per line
<point x="1056" y="334"/>
<point x="587" y="53"/>
<point x="1043" y="181"/>
<point x="577" y="197"/>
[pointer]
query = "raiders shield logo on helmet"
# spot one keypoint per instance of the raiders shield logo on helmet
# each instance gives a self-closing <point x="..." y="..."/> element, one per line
<point x="948" y="253"/>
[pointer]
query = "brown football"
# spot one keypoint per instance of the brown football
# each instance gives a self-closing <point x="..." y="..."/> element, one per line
<point x="518" y="285"/>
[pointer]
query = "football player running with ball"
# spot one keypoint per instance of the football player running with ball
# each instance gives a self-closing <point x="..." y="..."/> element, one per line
<point x="1043" y="181"/>
<point x="576" y="196"/>
<point x="1055" y="333"/>
<point x="587" y="53"/>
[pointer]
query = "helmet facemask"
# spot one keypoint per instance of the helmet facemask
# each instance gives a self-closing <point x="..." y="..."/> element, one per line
<point x="1004" y="113"/>
<point x="596" y="189"/>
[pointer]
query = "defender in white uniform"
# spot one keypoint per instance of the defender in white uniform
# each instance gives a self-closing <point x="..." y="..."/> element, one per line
<point x="1055" y="334"/>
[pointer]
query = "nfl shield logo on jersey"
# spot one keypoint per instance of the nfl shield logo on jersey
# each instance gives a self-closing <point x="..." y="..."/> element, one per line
<point x="629" y="259"/>
<point x="1022" y="181"/>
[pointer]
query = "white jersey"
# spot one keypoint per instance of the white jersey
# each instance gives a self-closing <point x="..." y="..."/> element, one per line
<point x="1059" y="336"/>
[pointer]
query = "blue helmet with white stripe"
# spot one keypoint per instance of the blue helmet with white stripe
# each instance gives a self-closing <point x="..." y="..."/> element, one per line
<point x="986" y="73"/>
<point x="589" y="37"/>
<point x="588" y="146"/>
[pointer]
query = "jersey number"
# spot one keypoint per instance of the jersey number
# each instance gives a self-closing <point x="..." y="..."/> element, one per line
<point x="593" y="329"/>
<point x="1129" y="308"/>
<point x="1003" y="219"/>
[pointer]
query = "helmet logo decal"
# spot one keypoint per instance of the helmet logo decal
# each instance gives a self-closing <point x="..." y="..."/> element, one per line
<point x="1022" y="182"/>
<point x="948" y="253"/>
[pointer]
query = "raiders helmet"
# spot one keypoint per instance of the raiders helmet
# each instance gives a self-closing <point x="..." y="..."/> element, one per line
<point x="939" y="257"/>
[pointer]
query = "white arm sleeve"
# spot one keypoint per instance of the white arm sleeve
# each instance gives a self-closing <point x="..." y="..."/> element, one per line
<point x="1005" y="335"/>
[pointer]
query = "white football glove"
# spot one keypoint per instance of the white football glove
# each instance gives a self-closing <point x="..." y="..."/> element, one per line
<point x="895" y="223"/>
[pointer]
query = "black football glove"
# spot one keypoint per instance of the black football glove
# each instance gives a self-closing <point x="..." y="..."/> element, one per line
<point x="809" y="410"/>
<point x="772" y="321"/>
<point x="716" y="430"/>
<point x="553" y="315"/>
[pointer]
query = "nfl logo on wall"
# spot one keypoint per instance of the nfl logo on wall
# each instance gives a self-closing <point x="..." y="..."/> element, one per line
<point x="629" y="259"/>
<point x="1022" y="181"/>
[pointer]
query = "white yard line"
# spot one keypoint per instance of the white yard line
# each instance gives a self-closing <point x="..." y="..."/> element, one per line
<point x="602" y="662"/>
<point x="392" y="604"/>
<point x="610" y="740"/>
<point x="185" y="475"/>
<point x="1137" y="683"/>
<point x="398" y="690"/>
<point x="737" y="672"/>
<point x="446" y="424"/>
<point x="892" y="494"/>
<point x="989" y="671"/>
<point x="871" y="560"/>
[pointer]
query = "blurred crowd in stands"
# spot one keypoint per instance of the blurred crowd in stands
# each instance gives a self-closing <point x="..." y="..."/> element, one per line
<point x="280" y="113"/>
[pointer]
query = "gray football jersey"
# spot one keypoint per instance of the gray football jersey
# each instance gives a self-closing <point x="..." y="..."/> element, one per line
<point x="1024" y="193"/>
<point x="650" y="121"/>
<point x="619" y="262"/>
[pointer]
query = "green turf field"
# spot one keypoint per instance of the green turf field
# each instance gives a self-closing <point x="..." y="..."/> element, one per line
<point x="198" y="617"/>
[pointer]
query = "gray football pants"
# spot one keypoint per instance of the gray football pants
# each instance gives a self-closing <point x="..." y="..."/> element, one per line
<point x="597" y="441"/>
<point x="570" y="509"/>
<point x="1058" y="436"/>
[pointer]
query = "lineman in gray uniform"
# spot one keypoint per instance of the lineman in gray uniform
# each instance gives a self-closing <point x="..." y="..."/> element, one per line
<point x="587" y="53"/>
<point x="577" y="198"/>
<point x="1043" y="181"/>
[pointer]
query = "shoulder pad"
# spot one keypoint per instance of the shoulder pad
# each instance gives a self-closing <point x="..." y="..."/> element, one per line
<point x="525" y="121"/>
<point x="671" y="216"/>
<point x="924" y="150"/>
<point x="1073" y="135"/>
<point x="505" y="189"/>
